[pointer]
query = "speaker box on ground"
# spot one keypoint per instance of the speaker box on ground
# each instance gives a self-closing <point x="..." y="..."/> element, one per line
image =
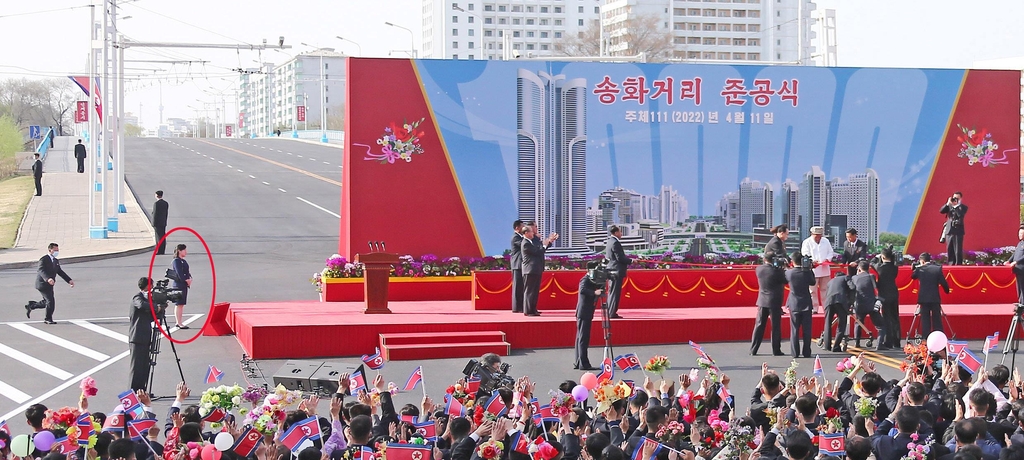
<point x="315" y="376"/>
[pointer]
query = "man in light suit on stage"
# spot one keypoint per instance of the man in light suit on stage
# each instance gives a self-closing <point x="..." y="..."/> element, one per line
<point x="617" y="264"/>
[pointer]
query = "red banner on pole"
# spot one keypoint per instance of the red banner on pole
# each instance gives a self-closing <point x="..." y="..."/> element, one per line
<point x="227" y="130"/>
<point x="300" y="113"/>
<point x="241" y="119"/>
<point x="81" y="111"/>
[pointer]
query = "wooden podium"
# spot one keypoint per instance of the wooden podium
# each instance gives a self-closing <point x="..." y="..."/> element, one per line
<point x="376" y="275"/>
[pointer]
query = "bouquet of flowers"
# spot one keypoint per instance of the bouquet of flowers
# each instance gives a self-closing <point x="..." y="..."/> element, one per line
<point x="458" y="391"/>
<point x="671" y="433"/>
<point x="833" y="422"/>
<point x="658" y="364"/>
<point x="542" y="450"/>
<point x="866" y="407"/>
<point x="739" y="440"/>
<point x="561" y="403"/>
<point x="375" y="393"/>
<point x="88" y="386"/>
<point x="918" y="357"/>
<point x="222" y="397"/>
<point x="481" y="416"/>
<point x="253" y="394"/>
<point x="845" y="366"/>
<point x="606" y="392"/>
<point x="61" y="419"/>
<point x="268" y="416"/>
<point x="918" y="451"/>
<point x="977" y="147"/>
<point x="710" y="367"/>
<point x="771" y="411"/>
<point x="790" y="374"/>
<point x="490" y="450"/>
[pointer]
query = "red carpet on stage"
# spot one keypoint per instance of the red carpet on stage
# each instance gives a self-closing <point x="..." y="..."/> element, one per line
<point x="296" y="330"/>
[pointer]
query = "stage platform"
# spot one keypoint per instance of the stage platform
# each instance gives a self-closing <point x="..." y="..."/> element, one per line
<point x="297" y="330"/>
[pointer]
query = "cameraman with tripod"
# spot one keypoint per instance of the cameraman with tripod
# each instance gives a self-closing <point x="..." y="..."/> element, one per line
<point x="590" y="292"/>
<point x="140" y="335"/>
<point x="929" y="277"/>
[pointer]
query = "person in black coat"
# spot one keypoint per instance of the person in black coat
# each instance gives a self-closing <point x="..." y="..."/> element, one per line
<point x="533" y="266"/>
<point x="771" y="283"/>
<point x="585" y="303"/>
<point x="854" y="250"/>
<point x="516" y="265"/>
<point x="140" y="335"/>
<point x="184" y="281"/>
<point x="864" y="285"/>
<point x="617" y="264"/>
<point x="885" y="266"/>
<point x="777" y="245"/>
<point x="160" y="221"/>
<point x="930" y="278"/>
<point x="37" y="174"/>
<point x="1017" y="262"/>
<point x="799" y="303"/>
<point x="80" y="152"/>
<point x="838" y="298"/>
<point x="886" y="447"/>
<point x="953" y="231"/>
<point x="46" y="273"/>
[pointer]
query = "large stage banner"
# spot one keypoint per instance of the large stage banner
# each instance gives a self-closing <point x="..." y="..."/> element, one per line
<point x="441" y="156"/>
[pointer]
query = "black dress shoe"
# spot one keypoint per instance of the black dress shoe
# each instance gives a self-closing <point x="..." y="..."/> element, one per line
<point x="778" y="353"/>
<point x="533" y="314"/>
<point x="28" y="311"/>
<point x="588" y="368"/>
<point x="616" y="317"/>
<point x="49" y="321"/>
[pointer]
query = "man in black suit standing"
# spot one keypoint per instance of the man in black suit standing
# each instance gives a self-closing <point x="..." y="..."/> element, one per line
<point x="838" y="298"/>
<point x="854" y="250"/>
<point x="864" y="286"/>
<point x="585" y="304"/>
<point x="617" y="264"/>
<point x="140" y="335"/>
<point x="533" y="266"/>
<point x="80" y="155"/>
<point x="953" y="232"/>
<point x="516" y="266"/>
<point x="800" y="279"/>
<point x="777" y="245"/>
<point x="771" y="283"/>
<point x="160" y="221"/>
<point x="1017" y="262"/>
<point x="929" y="277"/>
<point x="46" y="272"/>
<point x="37" y="173"/>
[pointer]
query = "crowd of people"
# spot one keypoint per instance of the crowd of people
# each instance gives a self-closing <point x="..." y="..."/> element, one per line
<point x="939" y="410"/>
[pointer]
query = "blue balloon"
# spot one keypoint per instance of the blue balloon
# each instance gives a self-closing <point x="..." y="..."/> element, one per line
<point x="43" y="440"/>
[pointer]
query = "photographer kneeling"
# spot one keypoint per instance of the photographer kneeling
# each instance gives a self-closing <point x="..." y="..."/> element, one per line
<point x="140" y="335"/>
<point x="589" y="293"/>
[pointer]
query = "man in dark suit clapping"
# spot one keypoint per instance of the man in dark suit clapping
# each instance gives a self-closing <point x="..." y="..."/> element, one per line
<point x="533" y="266"/>
<point x="929" y="277"/>
<point x="516" y="265"/>
<point x="46" y="273"/>
<point x="617" y="264"/>
<point x="771" y="283"/>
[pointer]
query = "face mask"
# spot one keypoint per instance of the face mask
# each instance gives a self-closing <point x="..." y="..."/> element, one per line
<point x="56" y="254"/>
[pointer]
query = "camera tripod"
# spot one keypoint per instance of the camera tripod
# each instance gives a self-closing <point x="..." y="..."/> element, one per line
<point x="606" y="321"/>
<point x="1014" y="335"/>
<point x="915" y="326"/>
<point x="154" y="351"/>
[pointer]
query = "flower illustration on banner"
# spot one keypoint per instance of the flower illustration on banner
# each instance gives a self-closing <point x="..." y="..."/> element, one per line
<point x="977" y="146"/>
<point x="397" y="143"/>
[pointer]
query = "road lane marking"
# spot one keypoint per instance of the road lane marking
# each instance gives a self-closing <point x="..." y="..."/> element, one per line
<point x="60" y="342"/>
<point x="221" y="162"/>
<point x="33" y="362"/>
<point x="13" y="394"/>
<point x="252" y="176"/>
<point x="326" y="163"/>
<point x="276" y="163"/>
<point x="289" y="153"/>
<point x="318" y="207"/>
<point x="266" y="183"/>
<point x="100" y="330"/>
<point x="283" y="190"/>
<point x="239" y="170"/>
<point x="300" y="156"/>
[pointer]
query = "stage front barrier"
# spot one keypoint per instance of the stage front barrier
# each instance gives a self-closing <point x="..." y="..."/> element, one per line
<point x="377" y="274"/>
<point x="724" y="287"/>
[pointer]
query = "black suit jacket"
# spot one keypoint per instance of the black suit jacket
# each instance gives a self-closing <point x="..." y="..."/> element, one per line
<point x="800" y="282"/>
<point x="160" y="213"/>
<point x="140" y="329"/>
<point x="887" y="447"/>
<point x="80" y="150"/>
<point x="49" y="268"/>
<point x="37" y="169"/>
<point x="855" y="251"/>
<point x="864" y="284"/>
<point x="516" y="261"/>
<point x="776" y="247"/>
<point x="954" y="218"/>
<point x="585" y="300"/>
<point x="1018" y="259"/>
<point x="839" y="291"/>
<point x="771" y="286"/>
<point x="616" y="256"/>
<point x="533" y="256"/>
<point x="930" y="277"/>
<point x="887" y="288"/>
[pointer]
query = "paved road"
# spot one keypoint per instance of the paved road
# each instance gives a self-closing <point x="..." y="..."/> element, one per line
<point x="243" y="196"/>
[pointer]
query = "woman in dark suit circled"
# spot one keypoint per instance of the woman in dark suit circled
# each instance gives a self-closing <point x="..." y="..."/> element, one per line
<point x="180" y="267"/>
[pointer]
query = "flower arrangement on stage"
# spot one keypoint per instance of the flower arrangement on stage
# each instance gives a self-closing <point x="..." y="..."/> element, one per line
<point x="61" y="419"/>
<point x="561" y="403"/>
<point x="490" y="450"/>
<point x="220" y="397"/>
<point x="397" y="143"/>
<point x="606" y="393"/>
<point x="918" y="357"/>
<point x="977" y="147"/>
<point x="658" y="364"/>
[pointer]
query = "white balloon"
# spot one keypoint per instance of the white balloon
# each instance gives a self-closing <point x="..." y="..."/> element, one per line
<point x="223" y="441"/>
<point x="936" y="341"/>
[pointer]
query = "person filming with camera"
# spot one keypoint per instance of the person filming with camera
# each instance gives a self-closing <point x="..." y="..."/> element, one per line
<point x="771" y="281"/>
<point x="953" y="231"/>
<point x="800" y="279"/>
<point x="590" y="292"/>
<point x="140" y="334"/>
<point x="865" y="305"/>
<point x="929" y="277"/>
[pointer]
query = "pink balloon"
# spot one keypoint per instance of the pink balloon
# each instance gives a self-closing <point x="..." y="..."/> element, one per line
<point x="936" y="341"/>
<point x="208" y="452"/>
<point x="580" y="393"/>
<point x="589" y="381"/>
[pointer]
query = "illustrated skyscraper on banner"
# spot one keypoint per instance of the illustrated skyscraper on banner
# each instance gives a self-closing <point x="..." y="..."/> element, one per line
<point x="551" y="133"/>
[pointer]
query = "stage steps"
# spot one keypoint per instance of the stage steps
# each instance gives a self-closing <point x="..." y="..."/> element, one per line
<point x="432" y="345"/>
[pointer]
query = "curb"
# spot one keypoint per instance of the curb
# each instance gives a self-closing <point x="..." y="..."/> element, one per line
<point x="308" y="141"/>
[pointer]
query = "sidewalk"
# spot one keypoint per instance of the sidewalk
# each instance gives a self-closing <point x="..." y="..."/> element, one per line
<point x="61" y="216"/>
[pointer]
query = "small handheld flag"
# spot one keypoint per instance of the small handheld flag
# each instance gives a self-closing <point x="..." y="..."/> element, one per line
<point x="65" y="445"/>
<point x="953" y="347"/>
<point x="520" y="443"/>
<point x="723" y="393"/>
<point x="639" y="452"/>
<point x="832" y="444"/>
<point x="215" y="416"/>
<point x="310" y="428"/>
<point x="426" y="429"/>
<point x="495" y="405"/>
<point x="356" y="382"/>
<point x="248" y="442"/>
<point x="374" y="361"/>
<point x="85" y="428"/>
<point x="415" y="379"/>
<point x="969" y="361"/>
<point x="114" y="422"/>
<point x="366" y="453"/>
<point x="213" y="375"/>
<point x="991" y="342"/>
<point x="473" y="384"/>
<point x="818" y="371"/>
<point x="607" y="371"/>
<point x="138" y="429"/>
<point x="628" y="362"/>
<point x="410" y="419"/>
<point x="293" y="438"/>
<point x="407" y="452"/>
<point x="453" y="407"/>
<point x="130" y="403"/>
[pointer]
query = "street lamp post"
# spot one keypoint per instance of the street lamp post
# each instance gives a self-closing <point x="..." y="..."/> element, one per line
<point x="360" y="48"/>
<point x="412" y="37"/>
<point x="323" y="96"/>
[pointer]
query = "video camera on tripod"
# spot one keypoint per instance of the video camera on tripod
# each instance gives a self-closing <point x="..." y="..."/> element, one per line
<point x="780" y="262"/>
<point x="162" y="294"/>
<point x="598" y="272"/>
<point x="490" y="380"/>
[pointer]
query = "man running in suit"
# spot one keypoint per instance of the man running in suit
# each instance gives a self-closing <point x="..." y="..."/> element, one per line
<point x="516" y="265"/>
<point x="46" y="272"/>
<point x="37" y="173"/>
<point x="929" y="277"/>
<point x="80" y="155"/>
<point x="617" y="264"/>
<point x="533" y="266"/>
<point x="160" y="220"/>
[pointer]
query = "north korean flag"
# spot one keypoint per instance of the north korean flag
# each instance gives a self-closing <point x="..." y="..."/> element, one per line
<point x="310" y="428"/>
<point x="723" y="393"/>
<point x="991" y="342"/>
<point x="4" y="427"/>
<point x="495" y="405"/>
<point x="700" y="352"/>
<point x="607" y="371"/>
<point x="969" y="361"/>
<point x="248" y="442"/>
<point x="408" y="452"/>
<point x="415" y="379"/>
<point x="65" y="445"/>
<point x="473" y="384"/>
<point x="293" y="438"/>
<point x="632" y="388"/>
<point x="818" y="371"/>
<point x="356" y="382"/>
<point x="366" y="453"/>
<point x="953" y="347"/>
<point x="137" y="429"/>
<point x="213" y="375"/>
<point x="215" y="416"/>
<point x="374" y="361"/>
<point x="628" y="362"/>
<point x="832" y="444"/>
<point x="85" y="429"/>
<point x="545" y="414"/>
<point x="130" y="403"/>
<point x="411" y="419"/>
<point x="426" y="429"/>
<point x="521" y="443"/>
<point x="453" y="407"/>
<point x="639" y="452"/>
<point x="114" y="422"/>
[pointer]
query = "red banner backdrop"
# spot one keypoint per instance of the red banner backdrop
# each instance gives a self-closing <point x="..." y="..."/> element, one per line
<point x="300" y="113"/>
<point x="81" y="111"/>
